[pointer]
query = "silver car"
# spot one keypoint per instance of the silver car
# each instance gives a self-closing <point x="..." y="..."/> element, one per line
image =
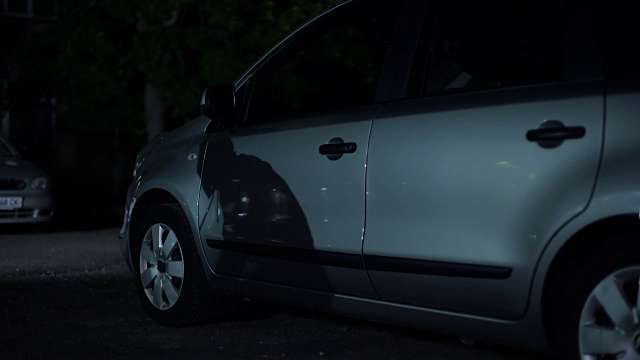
<point x="467" y="167"/>
<point x="25" y="190"/>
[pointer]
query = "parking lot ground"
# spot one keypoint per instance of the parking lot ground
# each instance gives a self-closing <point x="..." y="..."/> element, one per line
<point x="69" y="296"/>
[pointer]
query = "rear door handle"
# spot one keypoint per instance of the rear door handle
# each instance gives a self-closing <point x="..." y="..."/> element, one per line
<point x="552" y="133"/>
<point x="336" y="147"/>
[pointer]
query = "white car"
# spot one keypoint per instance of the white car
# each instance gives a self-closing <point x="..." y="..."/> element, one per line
<point x="25" y="190"/>
<point x="463" y="166"/>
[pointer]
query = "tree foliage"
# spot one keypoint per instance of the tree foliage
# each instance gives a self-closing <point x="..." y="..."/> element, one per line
<point x="98" y="56"/>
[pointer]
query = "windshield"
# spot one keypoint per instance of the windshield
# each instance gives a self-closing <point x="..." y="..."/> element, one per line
<point x="6" y="150"/>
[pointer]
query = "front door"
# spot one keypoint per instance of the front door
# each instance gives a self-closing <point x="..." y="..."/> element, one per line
<point x="282" y="198"/>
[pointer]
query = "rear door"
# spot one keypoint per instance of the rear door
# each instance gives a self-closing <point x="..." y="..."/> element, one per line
<point x="469" y="180"/>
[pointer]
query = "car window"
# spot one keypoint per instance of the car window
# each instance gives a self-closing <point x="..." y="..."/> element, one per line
<point x="334" y="64"/>
<point x="476" y="45"/>
<point x="621" y="33"/>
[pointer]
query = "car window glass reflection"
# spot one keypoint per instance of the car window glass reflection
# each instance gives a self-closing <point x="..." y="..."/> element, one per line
<point x="485" y="45"/>
<point x="337" y="65"/>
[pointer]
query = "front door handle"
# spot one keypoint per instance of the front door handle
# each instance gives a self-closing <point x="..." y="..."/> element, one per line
<point x="336" y="147"/>
<point x="552" y="133"/>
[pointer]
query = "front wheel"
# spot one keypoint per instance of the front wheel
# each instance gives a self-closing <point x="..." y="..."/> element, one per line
<point x="169" y="275"/>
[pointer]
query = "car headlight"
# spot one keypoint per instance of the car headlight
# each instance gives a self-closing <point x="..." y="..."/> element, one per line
<point x="40" y="183"/>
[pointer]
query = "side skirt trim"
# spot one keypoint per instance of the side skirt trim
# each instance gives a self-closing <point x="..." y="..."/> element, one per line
<point x="439" y="268"/>
<point x="309" y="256"/>
<point x="372" y="262"/>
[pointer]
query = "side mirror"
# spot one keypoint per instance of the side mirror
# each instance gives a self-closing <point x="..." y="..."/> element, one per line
<point x="219" y="103"/>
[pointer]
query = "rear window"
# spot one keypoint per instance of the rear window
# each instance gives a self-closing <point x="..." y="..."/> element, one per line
<point x="621" y="35"/>
<point x="470" y="45"/>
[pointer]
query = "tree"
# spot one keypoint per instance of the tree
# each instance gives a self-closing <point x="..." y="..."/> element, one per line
<point x="140" y="64"/>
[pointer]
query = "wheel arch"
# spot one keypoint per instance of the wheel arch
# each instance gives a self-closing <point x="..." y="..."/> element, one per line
<point x="579" y="246"/>
<point x="157" y="196"/>
<point x="149" y="199"/>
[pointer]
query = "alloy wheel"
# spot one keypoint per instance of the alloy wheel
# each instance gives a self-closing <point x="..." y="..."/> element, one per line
<point x="161" y="266"/>
<point x="610" y="319"/>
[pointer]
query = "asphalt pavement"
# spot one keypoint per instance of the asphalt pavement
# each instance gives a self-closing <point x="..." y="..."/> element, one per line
<point x="69" y="295"/>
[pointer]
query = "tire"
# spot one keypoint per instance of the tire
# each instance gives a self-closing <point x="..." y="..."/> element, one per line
<point x="598" y="310"/>
<point x="171" y="283"/>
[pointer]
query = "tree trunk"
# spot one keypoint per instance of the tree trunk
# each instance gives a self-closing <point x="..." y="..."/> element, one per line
<point x="154" y="111"/>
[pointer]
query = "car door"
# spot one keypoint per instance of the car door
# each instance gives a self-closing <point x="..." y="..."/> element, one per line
<point x="469" y="180"/>
<point x="282" y="197"/>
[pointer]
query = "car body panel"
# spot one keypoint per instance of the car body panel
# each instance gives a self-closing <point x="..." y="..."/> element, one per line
<point x="170" y="163"/>
<point x="454" y="181"/>
<point x="620" y="173"/>
<point x="616" y="192"/>
<point x="526" y="332"/>
<point x="272" y="181"/>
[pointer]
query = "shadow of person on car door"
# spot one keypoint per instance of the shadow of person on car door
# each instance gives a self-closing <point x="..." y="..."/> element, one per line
<point x="253" y="227"/>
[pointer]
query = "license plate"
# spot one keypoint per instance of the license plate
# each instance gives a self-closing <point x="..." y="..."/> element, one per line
<point x="10" y="203"/>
